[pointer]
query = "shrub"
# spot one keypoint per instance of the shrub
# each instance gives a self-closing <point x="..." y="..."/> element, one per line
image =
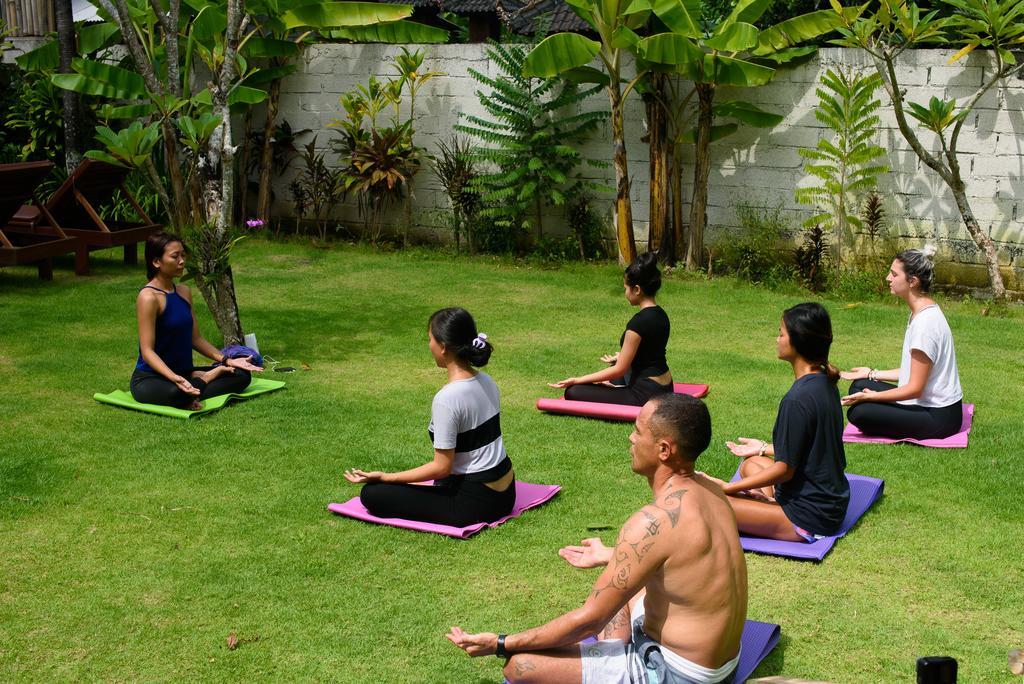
<point x="587" y="228"/>
<point x="526" y="143"/>
<point x="810" y="259"/>
<point x="755" y="251"/>
<point x="456" y="171"/>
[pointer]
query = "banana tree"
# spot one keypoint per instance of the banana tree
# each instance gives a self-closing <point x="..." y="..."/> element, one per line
<point x="570" y="53"/>
<point x="896" y="26"/>
<point x="731" y="52"/>
<point x="280" y="30"/>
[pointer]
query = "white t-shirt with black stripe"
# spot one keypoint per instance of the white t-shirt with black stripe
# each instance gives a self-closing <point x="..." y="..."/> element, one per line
<point x="466" y="416"/>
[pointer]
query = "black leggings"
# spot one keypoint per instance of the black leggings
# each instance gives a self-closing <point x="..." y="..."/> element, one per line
<point x="453" y="501"/>
<point x="636" y="394"/>
<point x="152" y="388"/>
<point x="902" y="420"/>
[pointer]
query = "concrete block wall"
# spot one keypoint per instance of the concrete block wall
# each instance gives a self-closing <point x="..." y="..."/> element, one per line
<point x="753" y="166"/>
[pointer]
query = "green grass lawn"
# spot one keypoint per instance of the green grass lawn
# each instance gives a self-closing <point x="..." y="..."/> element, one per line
<point x="132" y="545"/>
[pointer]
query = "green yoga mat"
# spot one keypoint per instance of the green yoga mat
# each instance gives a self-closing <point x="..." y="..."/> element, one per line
<point x="125" y="400"/>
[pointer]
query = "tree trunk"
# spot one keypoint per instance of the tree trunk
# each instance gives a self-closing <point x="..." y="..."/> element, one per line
<point x="701" y="170"/>
<point x="951" y="176"/>
<point x="676" y="181"/>
<point x="623" y="207"/>
<point x="267" y="154"/>
<point x="243" y="170"/>
<point x="219" y="293"/>
<point x="539" y="207"/>
<point x="72" y="108"/>
<point x="980" y="238"/>
<point x="658" y="148"/>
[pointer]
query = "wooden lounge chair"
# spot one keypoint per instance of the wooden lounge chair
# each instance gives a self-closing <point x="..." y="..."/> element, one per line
<point x="74" y="207"/>
<point x="18" y="183"/>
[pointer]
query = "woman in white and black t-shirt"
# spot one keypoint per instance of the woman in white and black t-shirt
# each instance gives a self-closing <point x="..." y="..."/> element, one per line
<point x="473" y="477"/>
<point x="927" y="401"/>
<point x="639" y="370"/>
<point x="794" y="488"/>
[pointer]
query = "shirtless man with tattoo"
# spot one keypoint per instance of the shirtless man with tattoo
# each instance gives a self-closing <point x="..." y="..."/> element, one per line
<point x="672" y="600"/>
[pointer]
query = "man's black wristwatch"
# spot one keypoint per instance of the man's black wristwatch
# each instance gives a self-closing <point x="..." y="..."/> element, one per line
<point x="499" y="650"/>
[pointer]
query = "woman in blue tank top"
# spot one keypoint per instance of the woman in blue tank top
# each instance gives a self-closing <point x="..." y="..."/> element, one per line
<point x="168" y="332"/>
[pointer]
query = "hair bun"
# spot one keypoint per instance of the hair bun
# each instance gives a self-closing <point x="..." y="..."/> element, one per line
<point x="644" y="272"/>
<point x="929" y="251"/>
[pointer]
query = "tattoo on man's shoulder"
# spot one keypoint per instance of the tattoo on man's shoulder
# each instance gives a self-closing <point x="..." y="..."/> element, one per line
<point x="672" y="505"/>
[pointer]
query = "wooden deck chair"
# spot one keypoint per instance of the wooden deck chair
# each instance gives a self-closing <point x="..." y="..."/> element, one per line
<point x="76" y="204"/>
<point x="18" y="183"/>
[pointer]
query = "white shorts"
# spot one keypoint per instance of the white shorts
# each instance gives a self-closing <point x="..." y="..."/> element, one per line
<point x="642" y="660"/>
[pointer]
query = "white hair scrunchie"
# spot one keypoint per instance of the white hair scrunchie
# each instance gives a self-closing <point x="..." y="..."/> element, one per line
<point x="480" y="341"/>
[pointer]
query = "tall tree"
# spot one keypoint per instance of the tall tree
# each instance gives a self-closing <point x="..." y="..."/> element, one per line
<point x="721" y="53"/>
<point x="895" y="27"/>
<point x="66" y="42"/>
<point x="615" y="22"/>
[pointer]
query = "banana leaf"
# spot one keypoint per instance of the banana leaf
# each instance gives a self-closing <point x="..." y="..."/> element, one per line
<point x="344" y="14"/>
<point x="558" y="53"/>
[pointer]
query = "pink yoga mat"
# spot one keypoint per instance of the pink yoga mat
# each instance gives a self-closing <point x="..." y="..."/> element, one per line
<point x="958" y="441"/>
<point x="593" y="409"/>
<point x="527" y="496"/>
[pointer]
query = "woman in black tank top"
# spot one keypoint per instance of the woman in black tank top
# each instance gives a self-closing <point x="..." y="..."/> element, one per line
<point x="639" y="370"/>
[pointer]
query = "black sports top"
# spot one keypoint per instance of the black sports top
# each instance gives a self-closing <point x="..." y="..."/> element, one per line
<point x="651" y="324"/>
<point x="808" y="437"/>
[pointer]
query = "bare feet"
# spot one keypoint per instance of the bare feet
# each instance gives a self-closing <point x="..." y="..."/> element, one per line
<point x="194" y="406"/>
<point x="210" y="375"/>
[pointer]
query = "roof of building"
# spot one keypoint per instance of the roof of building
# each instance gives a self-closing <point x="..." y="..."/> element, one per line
<point x="522" y="16"/>
<point x="519" y="15"/>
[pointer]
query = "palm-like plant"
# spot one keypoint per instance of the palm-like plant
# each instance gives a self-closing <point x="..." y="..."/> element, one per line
<point x="527" y="141"/>
<point x="615" y="22"/>
<point x="382" y="166"/>
<point x="456" y="170"/>
<point x="729" y="52"/>
<point x="843" y="166"/>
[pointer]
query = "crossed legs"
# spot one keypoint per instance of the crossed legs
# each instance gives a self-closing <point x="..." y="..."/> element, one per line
<point x="758" y="517"/>
<point x="564" y="665"/>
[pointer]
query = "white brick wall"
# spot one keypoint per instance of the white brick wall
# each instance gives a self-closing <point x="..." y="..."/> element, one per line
<point x="753" y="166"/>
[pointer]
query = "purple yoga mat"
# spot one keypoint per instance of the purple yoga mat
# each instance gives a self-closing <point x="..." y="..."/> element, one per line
<point x="957" y="441"/>
<point x="527" y="496"/>
<point x="864" y="491"/>
<point x="758" y="640"/>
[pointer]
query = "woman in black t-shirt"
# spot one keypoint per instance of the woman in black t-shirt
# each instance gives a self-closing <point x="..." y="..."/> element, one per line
<point x="795" y="488"/>
<point x="639" y="367"/>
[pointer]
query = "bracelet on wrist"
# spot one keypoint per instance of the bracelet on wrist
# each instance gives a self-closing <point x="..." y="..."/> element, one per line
<point x="764" y="448"/>
<point x="499" y="649"/>
<point x="873" y="374"/>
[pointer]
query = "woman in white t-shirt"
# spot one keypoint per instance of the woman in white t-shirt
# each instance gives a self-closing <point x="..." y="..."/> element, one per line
<point x="926" y="402"/>
<point x="473" y="477"/>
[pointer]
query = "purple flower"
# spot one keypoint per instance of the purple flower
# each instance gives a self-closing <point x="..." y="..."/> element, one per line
<point x="254" y="223"/>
